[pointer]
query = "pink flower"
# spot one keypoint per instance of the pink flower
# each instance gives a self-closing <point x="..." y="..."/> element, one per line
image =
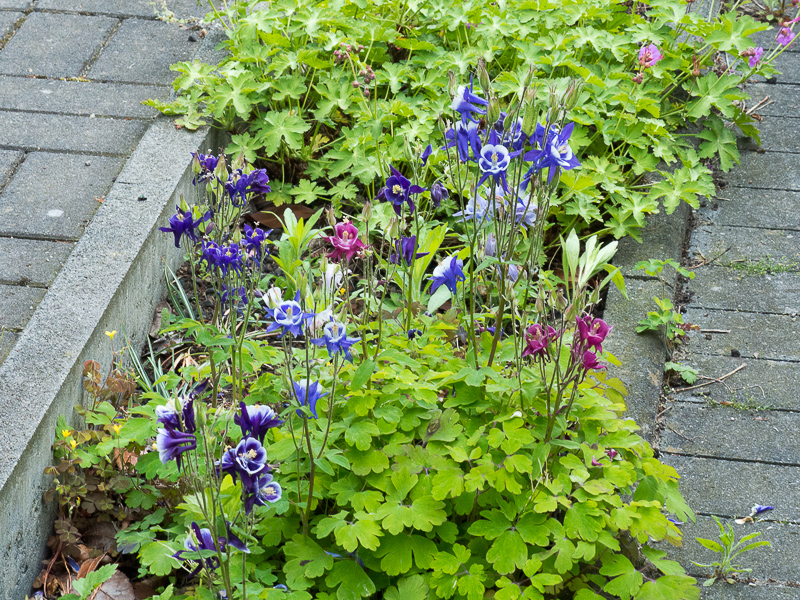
<point x="785" y="36"/>
<point x="612" y="454"/>
<point x="649" y="55"/>
<point x="345" y="242"/>
<point x="755" y="58"/>
<point x="596" y="463"/>
<point x="592" y="332"/>
<point x="590" y="363"/>
<point x="537" y="340"/>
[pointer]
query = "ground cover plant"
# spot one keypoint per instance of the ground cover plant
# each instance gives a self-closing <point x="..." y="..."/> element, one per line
<point x="403" y="409"/>
<point x="326" y="95"/>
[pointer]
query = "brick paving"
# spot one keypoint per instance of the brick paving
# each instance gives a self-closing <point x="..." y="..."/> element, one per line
<point x="73" y="75"/>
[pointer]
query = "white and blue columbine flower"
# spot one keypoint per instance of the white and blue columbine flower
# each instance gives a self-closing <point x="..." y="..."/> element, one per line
<point x="494" y="161"/>
<point x="466" y="102"/>
<point x="336" y="340"/>
<point x="448" y="273"/>
<point x="289" y="316"/>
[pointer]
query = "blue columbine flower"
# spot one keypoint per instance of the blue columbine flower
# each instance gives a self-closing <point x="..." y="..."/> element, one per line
<point x="405" y="251"/>
<point x="449" y="273"/>
<point x="556" y="154"/>
<point x="438" y="193"/>
<point x="183" y="223"/>
<point x="224" y="258"/>
<point x="256" y="420"/>
<point x="171" y="443"/>
<point x="425" y="154"/>
<point x="398" y="190"/>
<point x="463" y="137"/>
<point x="289" y="316"/>
<point x="477" y="208"/>
<point x="207" y="163"/>
<point x="334" y="337"/>
<point x="260" y="491"/>
<point x="307" y="394"/>
<point x="467" y="103"/>
<point x="494" y="161"/>
<point x="526" y="210"/>
<point x="254" y="241"/>
<point x="201" y="540"/>
<point x="759" y="508"/>
<point x="240" y="184"/>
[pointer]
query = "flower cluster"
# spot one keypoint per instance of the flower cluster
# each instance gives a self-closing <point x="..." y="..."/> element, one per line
<point x="223" y="258"/>
<point x="183" y="223"/>
<point x="248" y="463"/>
<point x="537" y="341"/>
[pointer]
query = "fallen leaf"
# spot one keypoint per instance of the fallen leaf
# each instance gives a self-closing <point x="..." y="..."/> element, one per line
<point x="269" y="216"/>
<point x="117" y="588"/>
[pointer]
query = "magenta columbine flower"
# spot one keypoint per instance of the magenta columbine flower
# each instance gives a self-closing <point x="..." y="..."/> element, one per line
<point x="398" y="190"/>
<point x="256" y="420"/>
<point x="785" y="36"/>
<point x="307" y="394"/>
<point x="183" y="223"/>
<point x="537" y="339"/>
<point x="649" y="56"/>
<point x="405" y="251"/>
<point x="466" y="102"/>
<point x="592" y="332"/>
<point x="589" y="362"/>
<point x="448" y="273"/>
<point x="289" y="316"/>
<point x="336" y="340"/>
<point x="345" y="241"/>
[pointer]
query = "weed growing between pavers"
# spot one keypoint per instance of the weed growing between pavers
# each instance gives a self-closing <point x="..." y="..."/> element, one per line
<point x="418" y="413"/>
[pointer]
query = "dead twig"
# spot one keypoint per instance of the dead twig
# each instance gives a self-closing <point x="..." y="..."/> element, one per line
<point x="715" y="331"/>
<point x="717" y="380"/>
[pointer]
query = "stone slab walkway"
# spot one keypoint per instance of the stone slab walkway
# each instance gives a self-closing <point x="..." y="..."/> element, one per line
<point x="73" y="75"/>
<point x="737" y="443"/>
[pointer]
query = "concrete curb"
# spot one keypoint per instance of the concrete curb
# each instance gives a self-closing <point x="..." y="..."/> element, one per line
<point x="112" y="281"/>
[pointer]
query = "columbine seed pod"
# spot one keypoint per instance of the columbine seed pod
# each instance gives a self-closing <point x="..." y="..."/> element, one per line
<point x="529" y="120"/>
<point x="510" y="117"/>
<point x="528" y="78"/>
<point x="366" y="212"/>
<point x="483" y="77"/>
<point x="572" y="96"/>
<point x="393" y="228"/>
<point x="331" y="216"/>
<point x="493" y="112"/>
<point x="453" y="84"/>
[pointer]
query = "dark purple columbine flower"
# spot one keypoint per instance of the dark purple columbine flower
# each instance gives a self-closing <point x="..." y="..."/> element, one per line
<point x="224" y="258"/>
<point x="494" y="161"/>
<point x="250" y="458"/>
<point x="591" y="332"/>
<point x="168" y="416"/>
<point x="464" y="137"/>
<point x="289" y="316"/>
<point x="405" y="251"/>
<point x="398" y="191"/>
<point x="183" y="223"/>
<point x="202" y="540"/>
<point x="205" y="165"/>
<point x="255" y="241"/>
<point x="239" y="185"/>
<point x="345" y="241"/>
<point x="537" y="340"/>
<point x="448" y="273"/>
<point x="426" y="154"/>
<point x="260" y="491"/>
<point x="438" y="193"/>
<point x="307" y="394"/>
<point x="413" y="333"/>
<point x="556" y="155"/>
<point x="171" y="443"/>
<point x="256" y="420"/>
<point x="336" y="340"/>
<point x="467" y="103"/>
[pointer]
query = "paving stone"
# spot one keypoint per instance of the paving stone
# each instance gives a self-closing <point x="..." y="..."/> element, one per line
<point x="129" y="8"/>
<point x="730" y="432"/>
<point x="788" y="64"/>
<point x="728" y="288"/>
<point x="762" y="383"/>
<point x="778" y="134"/>
<point x="8" y="20"/>
<point x="776" y="171"/>
<point x="7" y="341"/>
<point x="54" y="195"/>
<point x="730" y="488"/>
<point x="782" y="99"/>
<point x="54" y="45"/>
<point x="21" y="4"/>
<point x="79" y="97"/>
<point x="743" y="246"/>
<point x="9" y="159"/>
<point x="766" y="39"/>
<point x="745" y="207"/>
<point x="772" y="337"/>
<point x="128" y="56"/>
<point x="777" y="562"/>
<point x="81" y="134"/>
<point x="31" y="261"/>
<point x="743" y="591"/>
<point x="662" y="238"/>
<point x="17" y="304"/>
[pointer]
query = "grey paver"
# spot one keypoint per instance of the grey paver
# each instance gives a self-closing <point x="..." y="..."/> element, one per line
<point x="57" y="132"/>
<point x="777" y="562"/>
<point x="745" y="591"/>
<point x="79" y="97"/>
<point x="128" y="56"/>
<point x="762" y="383"/>
<point x="774" y="337"/>
<point x="55" y="195"/>
<point x="17" y="304"/>
<point x="728" y="288"/>
<point x="731" y="488"/>
<point x="54" y="45"/>
<point x="8" y="20"/>
<point x="128" y="8"/>
<point x="31" y="261"/>
<point x="662" y="238"/>
<point x="777" y="171"/>
<point x="745" y="244"/>
<point x="778" y="134"/>
<point x="782" y="99"/>
<point x="7" y="341"/>
<point x="745" y="207"/>
<point x="766" y="39"/>
<point x="9" y="159"/>
<point x="788" y="64"/>
<point x="729" y="432"/>
<point x="21" y="4"/>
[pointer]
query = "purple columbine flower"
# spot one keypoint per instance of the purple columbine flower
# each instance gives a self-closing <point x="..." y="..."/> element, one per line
<point x="463" y="137"/>
<point x="206" y="164"/>
<point x="785" y="36"/>
<point x="448" y="273"/>
<point x="398" y="190"/>
<point x="254" y="241"/>
<point x="412" y="334"/>
<point x="289" y="316"/>
<point x="494" y="161"/>
<point x="183" y="223"/>
<point x="556" y="155"/>
<point x="260" y="491"/>
<point x="591" y="332"/>
<point x="649" y="56"/>
<point x="307" y="394"/>
<point x="336" y="340"/>
<point x="467" y="103"/>
<point x="240" y="293"/>
<point x="537" y="340"/>
<point x="224" y="258"/>
<point x="345" y="241"/>
<point x="426" y="154"/>
<point x="759" y="508"/>
<point x="240" y="185"/>
<point x="438" y="193"/>
<point x="171" y="443"/>
<point x="477" y="208"/>
<point x="256" y="420"/>
<point x="249" y="458"/>
<point x="405" y="251"/>
<point x="201" y="540"/>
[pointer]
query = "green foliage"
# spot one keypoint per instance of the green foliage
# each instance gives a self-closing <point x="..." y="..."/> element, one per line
<point x="687" y="373"/>
<point x="728" y="549"/>
<point x="330" y="93"/>
<point x="86" y="585"/>
<point x="665" y="318"/>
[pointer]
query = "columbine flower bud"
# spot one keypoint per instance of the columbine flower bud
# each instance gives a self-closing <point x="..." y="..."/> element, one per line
<point x="572" y="95"/>
<point x="493" y="112"/>
<point x="529" y="120"/>
<point x="560" y="302"/>
<point x="483" y="79"/>
<point x="366" y="212"/>
<point x="393" y="229"/>
<point x="331" y="216"/>
<point x="554" y="100"/>
<point x="197" y="168"/>
<point x="528" y="78"/>
<point x="509" y="120"/>
<point x="221" y="171"/>
<point x="453" y="84"/>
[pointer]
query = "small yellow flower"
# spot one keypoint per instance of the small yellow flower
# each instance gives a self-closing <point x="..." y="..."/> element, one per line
<point x="73" y="443"/>
<point x="117" y="428"/>
<point x="111" y="334"/>
<point x="342" y="291"/>
<point x="66" y="432"/>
